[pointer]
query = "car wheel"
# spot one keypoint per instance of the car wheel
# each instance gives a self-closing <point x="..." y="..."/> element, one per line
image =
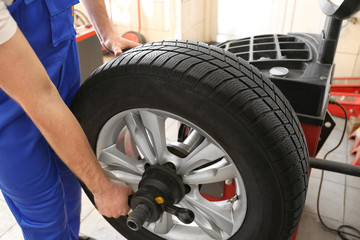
<point x="243" y="157"/>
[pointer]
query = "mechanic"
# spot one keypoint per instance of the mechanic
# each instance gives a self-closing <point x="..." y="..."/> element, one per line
<point x="39" y="75"/>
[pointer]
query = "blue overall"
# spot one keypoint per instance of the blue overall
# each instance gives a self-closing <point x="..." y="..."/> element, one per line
<point x="42" y="193"/>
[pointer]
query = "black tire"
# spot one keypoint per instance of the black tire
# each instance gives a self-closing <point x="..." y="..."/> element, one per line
<point x="229" y="99"/>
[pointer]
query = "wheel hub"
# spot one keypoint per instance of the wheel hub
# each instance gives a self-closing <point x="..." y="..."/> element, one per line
<point x="159" y="189"/>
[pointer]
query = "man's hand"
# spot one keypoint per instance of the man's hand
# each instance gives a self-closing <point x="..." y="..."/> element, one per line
<point x="98" y="16"/>
<point x="115" y="44"/>
<point x="113" y="200"/>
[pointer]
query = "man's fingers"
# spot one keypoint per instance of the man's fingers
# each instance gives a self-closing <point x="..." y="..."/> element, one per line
<point x="114" y="214"/>
<point x="116" y="48"/>
<point x="113" y="202"/>
<point x="117" y="51"/>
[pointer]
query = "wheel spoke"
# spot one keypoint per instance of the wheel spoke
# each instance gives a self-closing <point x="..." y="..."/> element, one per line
<point x="210" y="175"/>
<point x="156" y="128"/>
<point x="206" y="224"/>
<point x="125" y="177"/>
<point x="114" y="157"/>
<point x="164" y="224"/>
<point x="140" y="136"/>
<point x="206" y="152"/>
<point x="215" y="215"/>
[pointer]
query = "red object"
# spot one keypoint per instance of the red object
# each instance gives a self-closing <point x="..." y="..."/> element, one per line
<point x="229" y="192"/>
<point x="139" y="15"/>
<point x="132" y="36"/>
<point x="345" y="88"/>
<point x="349" y="85"/>
<point x="346" y="91"/>
<point x="356" y="147"/>
<point x="350" y="101"/>
<point x="294" y="236"/>
<point x="85" y="33"/>
<point x="312" y="136"/>
<point x="356" y="160"/>
<point x="353" y="135"/>
<point x="356" y="144"/>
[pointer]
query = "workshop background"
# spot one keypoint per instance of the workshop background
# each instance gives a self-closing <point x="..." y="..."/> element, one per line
<point x="221" y="20"/>
<point x="217" y="21"/>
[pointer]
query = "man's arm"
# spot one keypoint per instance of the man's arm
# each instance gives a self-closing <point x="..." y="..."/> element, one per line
<point x="25" y="80"/>
<point x="109" y="39"/>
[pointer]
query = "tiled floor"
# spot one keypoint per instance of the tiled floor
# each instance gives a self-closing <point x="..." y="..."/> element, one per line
<point x="340" y="203"/>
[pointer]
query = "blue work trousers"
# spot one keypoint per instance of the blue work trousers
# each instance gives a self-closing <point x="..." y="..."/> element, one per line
<point x="42" y="193"/>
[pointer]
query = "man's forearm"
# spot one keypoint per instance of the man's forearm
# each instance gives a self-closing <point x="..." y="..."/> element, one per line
<point x="24" y="79"/>
<point x="96" y="10"/>
<point x="62" y="131"/>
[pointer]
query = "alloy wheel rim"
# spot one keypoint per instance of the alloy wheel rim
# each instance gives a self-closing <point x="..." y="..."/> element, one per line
<point x="132" y="138"/>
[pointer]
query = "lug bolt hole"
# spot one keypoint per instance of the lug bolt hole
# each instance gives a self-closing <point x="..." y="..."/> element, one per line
<point x="187" y="189"/>
<point x="170" y="165"/>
